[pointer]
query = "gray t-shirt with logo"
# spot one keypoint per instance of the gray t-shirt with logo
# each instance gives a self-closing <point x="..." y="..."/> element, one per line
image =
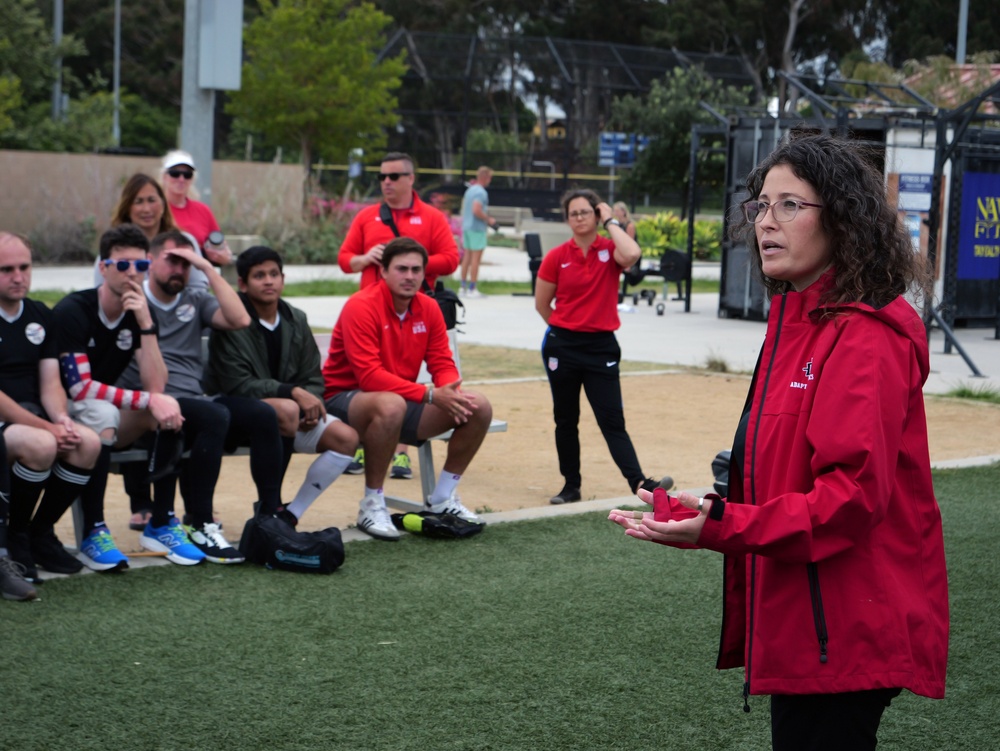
<point x="181" y="323"/>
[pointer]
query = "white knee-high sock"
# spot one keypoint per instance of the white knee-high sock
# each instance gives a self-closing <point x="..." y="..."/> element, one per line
<point x="326" y="468"/>
<point x="446" y="484"/>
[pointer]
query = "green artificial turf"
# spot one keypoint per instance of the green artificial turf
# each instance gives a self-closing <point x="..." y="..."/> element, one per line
<point x="550" y="634"/>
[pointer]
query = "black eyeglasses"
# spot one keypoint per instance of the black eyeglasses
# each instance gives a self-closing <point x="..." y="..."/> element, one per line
<point x="141" y="264"/>
<point x="394" y="176"/>
<point x="178" y="173"/>
<point x="782" y="211"/>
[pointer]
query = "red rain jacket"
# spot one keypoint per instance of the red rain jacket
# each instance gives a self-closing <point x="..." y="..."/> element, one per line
<point x="835" y="568"/>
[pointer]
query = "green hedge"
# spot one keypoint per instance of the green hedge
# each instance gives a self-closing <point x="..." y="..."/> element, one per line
<point x="666" y="230"/>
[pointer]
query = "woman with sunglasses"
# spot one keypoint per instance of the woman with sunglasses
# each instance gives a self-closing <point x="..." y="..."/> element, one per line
<point x="144" y="204"/>
<point x="836" y="592"/>
<point x="191" y="216"/>
<point x="580" y="349"/>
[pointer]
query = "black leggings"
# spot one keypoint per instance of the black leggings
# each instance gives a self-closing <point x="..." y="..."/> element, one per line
<point x="573" y="359"/>
<point x="828" y="722"/>
<point x="212" y="427"/>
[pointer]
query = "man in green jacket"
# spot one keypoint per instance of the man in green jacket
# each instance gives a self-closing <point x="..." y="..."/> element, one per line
<point x="276" y="359"/>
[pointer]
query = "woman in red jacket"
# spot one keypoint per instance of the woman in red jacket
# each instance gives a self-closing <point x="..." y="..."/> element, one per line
<point x="835" y="588"/>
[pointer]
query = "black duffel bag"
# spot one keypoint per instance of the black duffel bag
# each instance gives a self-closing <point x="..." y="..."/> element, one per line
<point x="268" y="541"/>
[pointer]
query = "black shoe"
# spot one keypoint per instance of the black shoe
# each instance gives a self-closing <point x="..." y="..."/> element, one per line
<point x="287" y="517"/>
<point x="19" y="545"/>
<point x="209" y="540"/>
<point x="568" y="494"/>
<point x="50" y="554"/>
<point x="666" y="482"/>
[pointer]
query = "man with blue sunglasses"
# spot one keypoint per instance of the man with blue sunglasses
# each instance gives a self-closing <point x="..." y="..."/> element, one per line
<point x="99" y="330"/>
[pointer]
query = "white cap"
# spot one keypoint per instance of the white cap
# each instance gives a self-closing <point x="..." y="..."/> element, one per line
<point x="176" y="158"/>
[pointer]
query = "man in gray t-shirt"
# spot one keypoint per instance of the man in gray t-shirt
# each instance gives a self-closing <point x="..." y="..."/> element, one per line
<point x="211" y="425"/>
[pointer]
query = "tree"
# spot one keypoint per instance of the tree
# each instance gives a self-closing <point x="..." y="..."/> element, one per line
<point x="929" y="28"/>
<point x="27" y="63"/>
<point x="666" y="115"/>
<point x="312" y="77"/>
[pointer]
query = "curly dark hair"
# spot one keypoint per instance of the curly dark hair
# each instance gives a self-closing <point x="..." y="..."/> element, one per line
<point x="872" y="256"/>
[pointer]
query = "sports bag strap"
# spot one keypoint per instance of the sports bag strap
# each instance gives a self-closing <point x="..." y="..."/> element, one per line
<point x="385" y="214"/>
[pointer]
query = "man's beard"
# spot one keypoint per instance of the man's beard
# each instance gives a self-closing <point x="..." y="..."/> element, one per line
<point x="173" y="285"/>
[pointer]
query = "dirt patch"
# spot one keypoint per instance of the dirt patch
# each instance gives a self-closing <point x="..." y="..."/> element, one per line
<point x="677" y="422"/>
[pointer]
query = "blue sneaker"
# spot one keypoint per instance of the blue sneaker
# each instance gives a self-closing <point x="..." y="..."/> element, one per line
<point x="172" y="540"/>
<point x="99" y="552"/>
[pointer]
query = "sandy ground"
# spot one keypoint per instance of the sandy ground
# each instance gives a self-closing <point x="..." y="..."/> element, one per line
<point x="677" y="421"/>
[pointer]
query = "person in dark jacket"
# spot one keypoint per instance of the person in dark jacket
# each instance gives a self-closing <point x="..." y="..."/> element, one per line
<point x="836" y="590"/>
<point x="276" y="359"/>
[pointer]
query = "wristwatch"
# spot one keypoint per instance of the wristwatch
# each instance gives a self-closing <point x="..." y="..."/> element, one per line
<point x="613" y="221"/>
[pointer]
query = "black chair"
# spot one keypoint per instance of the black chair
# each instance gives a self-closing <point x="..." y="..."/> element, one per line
<point x="533" y="244"/>
<point x="675" y="267"/>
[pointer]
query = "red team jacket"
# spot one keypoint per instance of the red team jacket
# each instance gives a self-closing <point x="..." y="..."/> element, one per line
<point x="373" y="350"/>
<point x="835" y="569"/>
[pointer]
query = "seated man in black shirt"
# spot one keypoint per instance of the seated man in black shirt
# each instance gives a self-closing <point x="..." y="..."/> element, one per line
<point x="99" y="330"/>
<point x="48" y="452"/>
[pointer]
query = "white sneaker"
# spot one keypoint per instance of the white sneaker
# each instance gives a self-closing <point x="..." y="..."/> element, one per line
<point x="463" y="292"/>
<point x="374" y="519"/>
<point x="454" y="507"/>
<point x="474" y="294"/>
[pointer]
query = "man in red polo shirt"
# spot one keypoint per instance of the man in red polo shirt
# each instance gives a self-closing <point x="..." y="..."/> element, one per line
<point x="384" y="333"/>
<point x="368" y="235"/>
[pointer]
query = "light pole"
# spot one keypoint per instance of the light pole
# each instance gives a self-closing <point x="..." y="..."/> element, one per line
<point x="57" y="26"/>
<point x="963" y="30"/>
<point x="116" y="131"/>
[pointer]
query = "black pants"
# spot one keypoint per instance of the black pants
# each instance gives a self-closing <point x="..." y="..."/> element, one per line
<point x="212" y="427"/>
<point x="828" y="722"/>
<point x="574" y="359"/>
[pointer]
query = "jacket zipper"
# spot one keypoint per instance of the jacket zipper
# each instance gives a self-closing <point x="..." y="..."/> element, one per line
<point x="753" y="502"/>
<point x="819" y="618"/>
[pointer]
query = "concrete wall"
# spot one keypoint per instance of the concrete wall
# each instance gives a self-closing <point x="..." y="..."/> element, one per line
<point x="42" y="189"/>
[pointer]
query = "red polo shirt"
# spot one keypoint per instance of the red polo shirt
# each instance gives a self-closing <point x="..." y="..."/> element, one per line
<point x="423" y="223"/>
<point x="586" y="287"/>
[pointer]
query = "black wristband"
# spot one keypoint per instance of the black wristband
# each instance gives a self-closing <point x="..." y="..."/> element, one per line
<point x="150" y="330"/>
<point x="611" y="220"/>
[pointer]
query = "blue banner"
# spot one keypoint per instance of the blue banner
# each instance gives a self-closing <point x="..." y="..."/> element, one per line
<point x="979" y="233"/>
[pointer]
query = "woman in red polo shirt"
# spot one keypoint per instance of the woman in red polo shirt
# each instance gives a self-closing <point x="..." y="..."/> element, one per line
<point x="580" y="349"/>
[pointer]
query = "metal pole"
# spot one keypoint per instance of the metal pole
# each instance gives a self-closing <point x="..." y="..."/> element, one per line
<point x="197" y="104"/>
<point x="57" y="27"/>
<point x="963" y="30"/>
<point x="116" y="131"/>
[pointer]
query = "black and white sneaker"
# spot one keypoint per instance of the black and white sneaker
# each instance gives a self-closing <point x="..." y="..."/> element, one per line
<point x="209" y="540"/>
<point x="454" y="507"/>
<point x="374" y="520"/>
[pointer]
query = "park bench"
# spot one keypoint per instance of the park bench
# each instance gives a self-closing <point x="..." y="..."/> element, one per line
<point x="511" y="216"/>
<point x="425" y="454"/>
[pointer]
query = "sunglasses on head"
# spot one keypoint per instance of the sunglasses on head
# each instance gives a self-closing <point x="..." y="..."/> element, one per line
<point x="394" y="176"/>
<point x="141" y="264"/>
<point x="177" y="173"/>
